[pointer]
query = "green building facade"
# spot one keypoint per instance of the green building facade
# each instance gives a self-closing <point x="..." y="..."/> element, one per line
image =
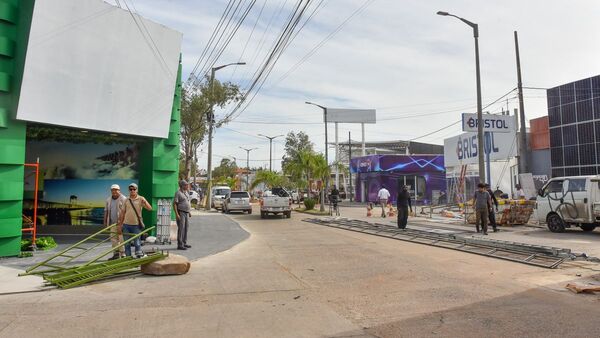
<point x="158" y="158"/>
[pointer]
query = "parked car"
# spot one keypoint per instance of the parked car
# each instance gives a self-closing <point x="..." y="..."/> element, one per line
<point x="237" y="201"/>
<point x="295" y="196"/>
<point x="194" y="197"/>
<point x="276" y="201"/>
<point x="218" y="192"/>
<point x="564" y="202"/>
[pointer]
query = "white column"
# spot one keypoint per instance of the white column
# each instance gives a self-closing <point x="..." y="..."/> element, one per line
<point x="364" y="150"/>
<point x="337" y="158"/>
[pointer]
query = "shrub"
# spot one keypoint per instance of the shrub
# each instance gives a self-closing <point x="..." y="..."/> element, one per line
<point x="42" y="243"/>
<point x="309" y="203"/>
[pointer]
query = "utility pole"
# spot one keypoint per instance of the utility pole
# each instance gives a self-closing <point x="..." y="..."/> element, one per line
<point x="523" y="163"/>
<point x="271" y="138"/>
<point x="211" y="121"/>
<point x="248" y="150"/>
<point x="326" y="188"/>
<point x="480" y="136"/>
<point x="350" y="191"/>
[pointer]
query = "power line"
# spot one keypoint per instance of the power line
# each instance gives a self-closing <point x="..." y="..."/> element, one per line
<point x="324" y="41"/>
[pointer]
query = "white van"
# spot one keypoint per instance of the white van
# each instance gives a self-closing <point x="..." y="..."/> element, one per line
<point x="564" y="202"/>
<point x="218" y="193"/>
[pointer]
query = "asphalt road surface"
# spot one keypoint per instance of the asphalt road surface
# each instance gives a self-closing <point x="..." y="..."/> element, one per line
<point x="295" y="279"/>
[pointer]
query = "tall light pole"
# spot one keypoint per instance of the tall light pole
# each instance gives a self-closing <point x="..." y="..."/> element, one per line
<point x="326" y="156"/>
<point x="211" y="121"/>
<point x="248" y="150"/>
<point x="271" y="138"/>
<point x="480" y="149"/>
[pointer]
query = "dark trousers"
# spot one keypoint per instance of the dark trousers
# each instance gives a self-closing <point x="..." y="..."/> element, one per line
<point x="402" y="216"/>
<point x="481" y="216"/>
<point x="182" y="228"/>
<point x="492" y="219"/>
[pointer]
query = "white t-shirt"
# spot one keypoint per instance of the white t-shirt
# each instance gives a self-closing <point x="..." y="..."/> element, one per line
<point x="383" y="194"/>
<point x="519" y="194"/>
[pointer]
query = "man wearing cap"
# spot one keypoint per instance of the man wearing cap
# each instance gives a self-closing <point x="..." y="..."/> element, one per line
<point x="130" y="220"/>
<point x="182" y="207"/>
<point x="111" y="217"/>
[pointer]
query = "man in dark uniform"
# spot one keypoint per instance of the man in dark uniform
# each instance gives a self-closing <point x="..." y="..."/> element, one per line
<point x="492" y="215"/>
<point x="403" y="202"/>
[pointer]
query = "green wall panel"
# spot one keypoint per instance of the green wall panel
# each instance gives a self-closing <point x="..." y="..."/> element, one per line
<point x="10" y="208"/>
<point x="15" y="21"/>
<point x="159" y="161"/>
<point x="10" y="227"/>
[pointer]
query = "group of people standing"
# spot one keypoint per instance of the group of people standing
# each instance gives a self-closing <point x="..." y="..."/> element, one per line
<point x="124" y="215"/>
<point x="484" y="203"/>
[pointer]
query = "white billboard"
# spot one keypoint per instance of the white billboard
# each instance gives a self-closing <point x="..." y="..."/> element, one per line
<point x="462" y="149"/>
<point x="491" y="123"/>
<point x="342" y="115"/>
<point x="89" y="66"/>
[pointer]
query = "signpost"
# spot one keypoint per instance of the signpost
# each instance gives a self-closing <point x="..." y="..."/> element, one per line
<point x="491" y="123"/>
<point x="342" y="115"/>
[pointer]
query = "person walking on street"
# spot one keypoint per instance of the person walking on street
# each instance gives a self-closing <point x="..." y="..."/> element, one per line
<point x="182" y="207"/>
<point x="111" y="217"/>
<point x="483" y="204"/>
<point x="130" y="220"/>
<point x="383" y="195"/>
<point x="404" y="204"/>
<point x="492" y="217"/>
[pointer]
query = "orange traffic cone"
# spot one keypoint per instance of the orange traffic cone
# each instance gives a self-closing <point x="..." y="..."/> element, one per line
<point x="369" y="208"/>
<point x="391" y="213"/>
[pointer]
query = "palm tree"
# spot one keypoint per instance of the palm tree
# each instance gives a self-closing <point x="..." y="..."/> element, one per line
<point x="301" y="168"/>
<point x="322" y="171"/>
<point x="269" y="178"/>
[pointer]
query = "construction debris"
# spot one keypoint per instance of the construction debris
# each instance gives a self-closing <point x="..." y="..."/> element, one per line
<point x="80" y="263"/>
<point x="583" y="288"/>
<point x="541" y="256"/>
<point x="171" y="265"/>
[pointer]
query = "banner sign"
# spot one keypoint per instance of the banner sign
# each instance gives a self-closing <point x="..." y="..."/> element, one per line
<point x="491" y="123"/>
<point x="462" y="149"/>
<point x="351" y="115"/>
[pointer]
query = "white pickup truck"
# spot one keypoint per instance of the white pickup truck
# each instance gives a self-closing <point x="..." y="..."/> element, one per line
<point x="276" y="201"/>
<point x="566" y="202"/>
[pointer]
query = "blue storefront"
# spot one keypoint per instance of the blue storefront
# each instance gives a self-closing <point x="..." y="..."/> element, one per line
<point x="425" y="176"/>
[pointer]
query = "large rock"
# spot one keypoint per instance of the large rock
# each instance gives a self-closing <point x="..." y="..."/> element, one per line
<point x="171" y="265"/>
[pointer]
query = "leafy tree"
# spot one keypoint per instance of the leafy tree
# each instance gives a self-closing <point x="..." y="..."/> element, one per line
<point x="294" y="144"/>
<point x="195" y="108"/>
<point x="226" y="169"/>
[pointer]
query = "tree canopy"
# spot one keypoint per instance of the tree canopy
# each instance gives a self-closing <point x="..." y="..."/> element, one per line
<point x="195" y="108"/>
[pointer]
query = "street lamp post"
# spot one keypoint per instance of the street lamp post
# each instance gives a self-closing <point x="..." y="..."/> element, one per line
<point x="322" y="208"/>
<point x="271" y="138"/>
<point x="211" y="121"/>
<point x="248" y="150"/>
<point x="480" y="149"/>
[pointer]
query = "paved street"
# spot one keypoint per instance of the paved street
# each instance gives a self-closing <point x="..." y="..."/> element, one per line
<point x="295" y="279"/>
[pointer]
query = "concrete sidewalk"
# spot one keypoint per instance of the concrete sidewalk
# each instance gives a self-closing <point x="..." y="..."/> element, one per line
<point x="209" y="233"/>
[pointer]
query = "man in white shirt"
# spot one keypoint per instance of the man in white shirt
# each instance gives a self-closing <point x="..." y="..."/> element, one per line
<point x="519" y="193"/>
<point x="383" y="195"/>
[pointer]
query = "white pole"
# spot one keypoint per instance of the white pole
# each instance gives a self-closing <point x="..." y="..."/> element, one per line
<point x="337" y="158"/>
<point x="364" y="150"/>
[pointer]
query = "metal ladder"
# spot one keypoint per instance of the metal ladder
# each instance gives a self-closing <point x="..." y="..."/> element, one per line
<point x="541" y="256"/>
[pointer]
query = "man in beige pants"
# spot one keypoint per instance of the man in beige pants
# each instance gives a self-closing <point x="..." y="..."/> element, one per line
<point x="111" y="217"/>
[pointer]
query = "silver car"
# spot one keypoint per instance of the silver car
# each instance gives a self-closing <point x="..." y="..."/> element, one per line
<point x="237" y="201"/>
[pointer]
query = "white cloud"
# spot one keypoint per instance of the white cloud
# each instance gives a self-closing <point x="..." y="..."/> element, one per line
<point x="395" y="54"/>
